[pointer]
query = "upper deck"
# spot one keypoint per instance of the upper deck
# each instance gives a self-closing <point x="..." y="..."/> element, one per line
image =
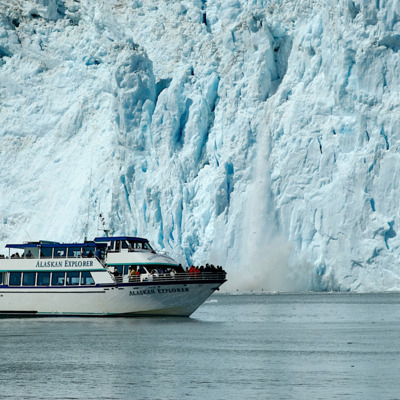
<point x="132" y="250"/>
<point x="44" y="255"/>
<point x="96" y="254"/>
<point x="118" y="243"/>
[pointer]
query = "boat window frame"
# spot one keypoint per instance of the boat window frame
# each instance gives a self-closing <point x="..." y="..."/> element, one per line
<point x="81" y="277"/>
<point x="46" y="249"/>
<point x="73" y="250"/>
<point x="37" y="278"/>
<point x="86" y="277"/>
<point x="25" y="273"/>
<point x="139" y="245"/>
<point x="88" y="251"/>
<point x="55" y="273"/>
<point x="69" y="277"/>
<point x="9" y="278"/>
<point x="59" y="249"/>
<point x="120" y="269"/>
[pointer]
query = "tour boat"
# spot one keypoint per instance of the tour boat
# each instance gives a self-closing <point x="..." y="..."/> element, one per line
<point x="109" y="276"/>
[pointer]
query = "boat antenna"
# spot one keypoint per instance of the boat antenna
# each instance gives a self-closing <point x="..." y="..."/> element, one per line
<point x="88" y="210"/>
<point x="28" y="234"/>
<point x="103" y="222"/>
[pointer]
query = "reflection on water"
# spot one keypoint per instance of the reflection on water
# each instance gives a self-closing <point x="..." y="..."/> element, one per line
<point x="290" y="346"/>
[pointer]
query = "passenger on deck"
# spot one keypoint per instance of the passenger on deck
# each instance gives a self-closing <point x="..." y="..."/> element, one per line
<point x="191" y="270"/>
<point x="133" y="274"/>
<point x="179" y="269"/>
<point x="221" y="271"/>
<point x="28" y="254"/>
<point x="154" y="272"/>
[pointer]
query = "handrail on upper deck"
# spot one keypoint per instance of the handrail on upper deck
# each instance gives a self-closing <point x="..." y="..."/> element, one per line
<point x="167" y="277"/>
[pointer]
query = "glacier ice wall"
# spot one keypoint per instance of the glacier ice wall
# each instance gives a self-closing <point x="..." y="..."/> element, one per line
<point x="261" y="135"/>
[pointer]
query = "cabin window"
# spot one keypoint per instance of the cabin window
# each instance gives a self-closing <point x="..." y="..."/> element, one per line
<point x="46" y="252"/>
<point x="86" y="279"/>
<point x="60" y="252"/>
<point x="124" y="244"/>
<point x="88" y="252"/>
<point x="141" y="269"/>
<point x="139" y="245"/>
<point x="100" y="252"/>
<point x="120" y="269"/>
<point x="58" y="279"/>
<point x="73" y="278"/>
<point x="74" y="252"/>
<point x="1" y="278"/>
<point x="15" y="279"/>
<point x="29" y="279"/>
<point x="117" y="245"/>
<point x="43" y="279"/>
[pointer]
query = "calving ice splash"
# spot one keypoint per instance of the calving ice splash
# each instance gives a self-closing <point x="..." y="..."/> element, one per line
<point x="109" y="276"/>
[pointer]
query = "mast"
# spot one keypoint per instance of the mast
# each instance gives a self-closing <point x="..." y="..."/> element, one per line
<point x="88" y="209"/>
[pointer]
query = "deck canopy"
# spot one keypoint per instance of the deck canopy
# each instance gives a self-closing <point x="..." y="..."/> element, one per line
<point x="46" y="244"/>
<point x="45" y="249"/>
<point x="115" y="238"/>
<point x="129" y="243"/>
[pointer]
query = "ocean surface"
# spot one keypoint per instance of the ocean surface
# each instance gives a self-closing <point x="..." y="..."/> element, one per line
<point x="258" y="346"/>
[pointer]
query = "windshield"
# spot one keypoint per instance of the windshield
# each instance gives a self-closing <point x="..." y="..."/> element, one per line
<point x="136" y="245"/>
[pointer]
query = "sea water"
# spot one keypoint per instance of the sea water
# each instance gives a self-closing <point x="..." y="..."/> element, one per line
<point x="256" y="346"/>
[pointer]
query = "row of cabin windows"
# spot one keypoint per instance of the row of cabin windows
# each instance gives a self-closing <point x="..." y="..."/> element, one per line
<point x="74" y="278"/>
<point x="130" y="245"/>
<point x="125" y="269"/>
<point x="70" y="252"/>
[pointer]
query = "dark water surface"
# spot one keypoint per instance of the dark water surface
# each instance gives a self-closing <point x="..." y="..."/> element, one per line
<point x="287" y="346"/>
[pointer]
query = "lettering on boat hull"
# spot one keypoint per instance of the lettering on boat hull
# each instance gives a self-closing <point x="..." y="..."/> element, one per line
<point x="138" y="292"/>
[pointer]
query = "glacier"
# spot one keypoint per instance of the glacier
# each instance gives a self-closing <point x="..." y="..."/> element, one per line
<point x="258" y="135"/>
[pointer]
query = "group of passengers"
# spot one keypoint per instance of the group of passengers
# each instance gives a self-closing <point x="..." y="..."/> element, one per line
<point x="24" y="255"/>
<point x="164" y="272"/>
<point x="62" y="254"/>
<point x="203" y="271"/>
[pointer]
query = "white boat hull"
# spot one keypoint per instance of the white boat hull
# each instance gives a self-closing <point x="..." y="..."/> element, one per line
<point x="110" y="276"/>
<point x="171" y="299"/>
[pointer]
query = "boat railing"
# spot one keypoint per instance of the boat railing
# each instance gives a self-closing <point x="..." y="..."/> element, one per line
<point x="168" y="277"/>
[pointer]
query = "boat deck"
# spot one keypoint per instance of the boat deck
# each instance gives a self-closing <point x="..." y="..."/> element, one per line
<point x="167" y="277"/>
